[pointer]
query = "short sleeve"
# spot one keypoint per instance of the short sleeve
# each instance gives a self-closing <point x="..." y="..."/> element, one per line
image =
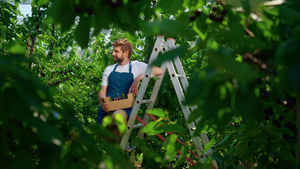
<point x="141" y="67"/>
<point x="105" y="77"/>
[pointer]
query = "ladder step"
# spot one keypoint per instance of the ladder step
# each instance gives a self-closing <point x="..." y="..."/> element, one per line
<point x="156" y="77"/>
<point x="193" y="128"/>
<point x="178" y="75"/>
<point x="147" y="101"/>
<point x="137" y="126"/>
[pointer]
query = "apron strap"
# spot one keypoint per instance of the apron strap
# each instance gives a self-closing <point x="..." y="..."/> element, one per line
<point x="116" y="67"/>
<point x="129" y="66"/>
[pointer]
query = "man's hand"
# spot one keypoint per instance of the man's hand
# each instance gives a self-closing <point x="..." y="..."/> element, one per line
<point x="135" y="85"/>
<point x="101" y="96"/>
<point x="104" y="105"/>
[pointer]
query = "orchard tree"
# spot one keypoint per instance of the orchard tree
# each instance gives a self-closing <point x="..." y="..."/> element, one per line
<point x="241" y="57"/>
<point x="249" y="90"/>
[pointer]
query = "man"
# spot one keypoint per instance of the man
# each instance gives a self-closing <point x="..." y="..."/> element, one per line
<point x="121" y="78"/>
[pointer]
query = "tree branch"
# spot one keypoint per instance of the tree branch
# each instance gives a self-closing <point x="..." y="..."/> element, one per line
<point x="58" y="82"/>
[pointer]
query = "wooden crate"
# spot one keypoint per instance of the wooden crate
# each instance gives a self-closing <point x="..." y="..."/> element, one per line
<point x="120" y="104"/>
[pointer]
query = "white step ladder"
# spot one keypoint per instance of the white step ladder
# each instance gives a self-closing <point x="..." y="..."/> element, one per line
<point x="180" y="87"/>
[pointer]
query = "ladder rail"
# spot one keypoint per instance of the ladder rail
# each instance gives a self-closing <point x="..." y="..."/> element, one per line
<point x="185" y="109"/>
<point x="178" y="65"/>
<point x="185" y="83"/>
<point x="153" y="97"/>
<point x="141" y="92"/>
<point x="150" y="105"/>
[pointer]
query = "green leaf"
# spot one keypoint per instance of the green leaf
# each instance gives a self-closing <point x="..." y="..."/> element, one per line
<point x="68" y="19"/>
<point x="169" y="55"/>
<point x="253" y="5"/>
<point x="171" y="7"/>
<point x="222" y="58"/>
<point x="224" y="143"/>
<point x="208" y="145"/>
<point x="249" y="106"/>
<point x="201" y="84"/>
<point x="296" y="31"/>
<point x="293" y="15"/>
<point x="184" y="151"/>
<point x="234" y="3"/>
<point x="290" y="78"/>
<point x="235" y="31"/>
<point x="139" y="158"/>
<point x="17" y="49"/>
<point x="100" y="21"/>
<point x="194" y="115"/>
<point x="82" y="32"/>
<point x="147" y="152"/>
<point x="199" y="127"/>
<point x="119" y="156"/>
<point x="120" y="123"/>
<point x="242" y="149"/>
<point x="50" y="134"/>
<point x="57" y="11"/>
<point x="157" y="112"/>
<point x="200" y="26"/>
<point x="170" y="27"/>
<point x="115" y="37"/>
<point x="22" y="159"/>
<point x="171" y="147"/>
<point x="107" y="120"/>
<point x="101" y="131"/>
<point x="41" y="2"/>
<point x="172" y="128"/>
<point x="151" y="128"/>
<point x="217" y="156"/>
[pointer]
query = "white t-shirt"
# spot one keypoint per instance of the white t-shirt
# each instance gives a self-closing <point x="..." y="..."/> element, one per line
<point x="137" y="68"/>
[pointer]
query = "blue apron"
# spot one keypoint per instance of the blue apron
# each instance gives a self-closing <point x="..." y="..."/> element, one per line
<point x="118" y="84"/>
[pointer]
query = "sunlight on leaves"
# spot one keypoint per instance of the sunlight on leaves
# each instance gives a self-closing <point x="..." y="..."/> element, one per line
<point x="151" y="128"/>
<point x="157" y="112"/>
<point x="17" y="49"/>
<point x="120" y="123"/>
<point x="107" y="120"/>
<point x="171" y="147"/>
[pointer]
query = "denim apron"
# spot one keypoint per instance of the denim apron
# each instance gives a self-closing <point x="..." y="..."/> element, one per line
<point x="118" y="84"/>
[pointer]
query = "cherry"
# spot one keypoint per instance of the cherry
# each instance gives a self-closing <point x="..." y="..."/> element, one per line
<point x="78" y="9"/>
<point x="192" y="18"/>
<point x="197" y="13"/>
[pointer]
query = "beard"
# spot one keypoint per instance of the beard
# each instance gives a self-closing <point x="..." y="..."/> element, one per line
<point x="119" y="60"/>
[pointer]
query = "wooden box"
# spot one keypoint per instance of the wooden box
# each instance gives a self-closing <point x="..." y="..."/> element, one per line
<point x="120" y="104"/>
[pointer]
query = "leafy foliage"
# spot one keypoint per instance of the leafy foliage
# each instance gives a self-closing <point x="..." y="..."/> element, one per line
<point x="241" y="58"/>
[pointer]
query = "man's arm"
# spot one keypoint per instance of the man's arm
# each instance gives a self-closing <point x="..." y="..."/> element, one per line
<point x="156" y="71"/>
<point x="101" y="96"/>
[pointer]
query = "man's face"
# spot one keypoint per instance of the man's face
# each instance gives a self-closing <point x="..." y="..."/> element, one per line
<point x="118" y="54"/>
